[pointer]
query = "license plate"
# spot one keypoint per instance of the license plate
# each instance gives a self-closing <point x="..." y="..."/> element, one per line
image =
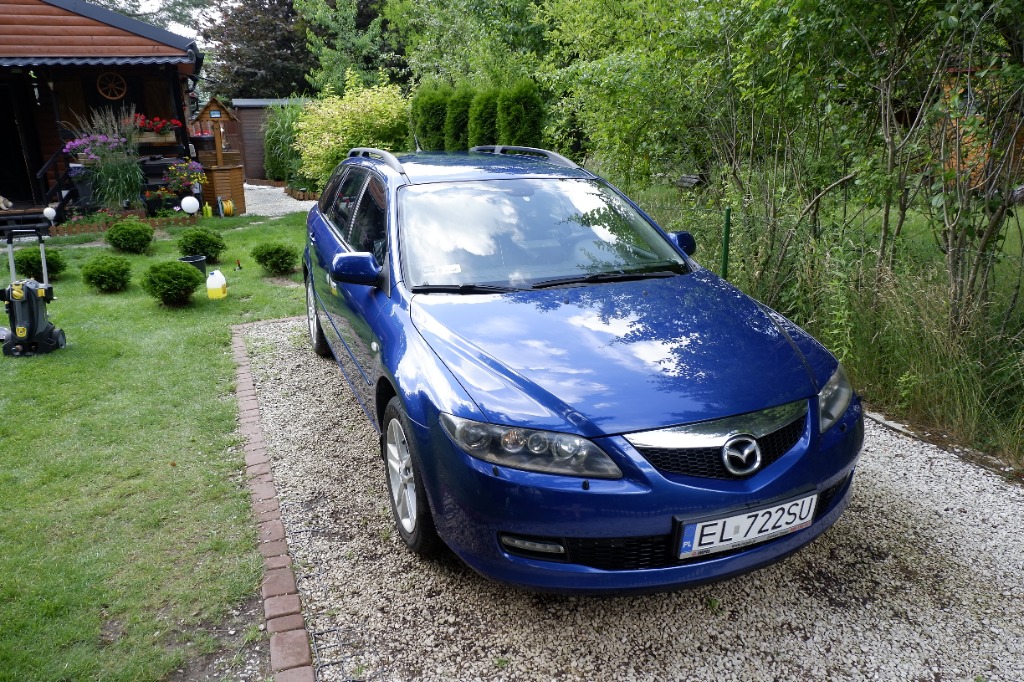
<point x="748" y="528"/>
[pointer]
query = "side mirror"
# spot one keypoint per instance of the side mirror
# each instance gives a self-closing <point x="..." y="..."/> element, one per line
<point x="355" y="268"/>
<point x="685" y="241"/>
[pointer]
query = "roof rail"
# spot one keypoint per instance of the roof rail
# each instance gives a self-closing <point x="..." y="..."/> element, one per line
<point x="551" y="157"/>
<point x="390" y="159"/>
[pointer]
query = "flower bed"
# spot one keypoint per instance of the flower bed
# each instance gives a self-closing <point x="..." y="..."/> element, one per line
<point x="82" y="227"/>
<point x="301" y="195"/>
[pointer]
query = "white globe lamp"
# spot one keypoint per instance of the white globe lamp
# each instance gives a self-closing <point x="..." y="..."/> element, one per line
<point x="190" y="205"/>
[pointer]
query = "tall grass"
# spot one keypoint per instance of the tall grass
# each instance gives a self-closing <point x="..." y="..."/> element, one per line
<point x="889" y="324"/>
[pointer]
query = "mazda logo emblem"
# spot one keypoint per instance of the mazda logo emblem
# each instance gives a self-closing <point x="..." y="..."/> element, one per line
<point x="741" y="455"/>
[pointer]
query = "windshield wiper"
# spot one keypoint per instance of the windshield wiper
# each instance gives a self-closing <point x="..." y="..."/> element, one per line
<point x="461" y="289"/>
<point x="598" y="277"/>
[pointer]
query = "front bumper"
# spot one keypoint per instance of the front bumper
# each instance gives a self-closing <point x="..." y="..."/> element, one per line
<point x="622" y="535"/>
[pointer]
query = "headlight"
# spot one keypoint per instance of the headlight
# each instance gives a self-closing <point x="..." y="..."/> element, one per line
<point x="834" y="399"/>
<point x="519" y="448"/>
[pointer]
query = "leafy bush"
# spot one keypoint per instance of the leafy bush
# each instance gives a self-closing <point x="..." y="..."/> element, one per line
<point x="280" y="158"/>
<point x="28" y="263"/>
<point x="365" y="117"/>
<point x="201" y="241"/>
<point x="520" y="118"/>
<point x="130" y="235"/>
<point x="456" y="122"/>
<point x="429" y="110"/>
<point x="275" y="257"/>
<point x="483" y="118"/>
<point x="108" y="273"/>
<point x="172" y="282"/>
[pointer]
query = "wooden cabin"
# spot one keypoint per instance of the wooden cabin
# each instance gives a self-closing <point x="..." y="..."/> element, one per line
<point x="60" y="59"/>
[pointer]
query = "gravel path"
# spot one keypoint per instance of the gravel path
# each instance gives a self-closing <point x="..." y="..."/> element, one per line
<point x="271" y="201"/>
<point x="920" y="580"/>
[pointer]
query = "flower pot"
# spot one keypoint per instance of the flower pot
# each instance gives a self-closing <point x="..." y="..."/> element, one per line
<point x="146" y="137"/>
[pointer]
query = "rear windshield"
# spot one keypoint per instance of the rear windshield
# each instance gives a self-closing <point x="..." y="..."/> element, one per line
<point x="514" y="232"/>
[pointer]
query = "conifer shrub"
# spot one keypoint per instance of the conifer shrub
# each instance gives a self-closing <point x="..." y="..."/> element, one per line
<point x="275" y="257"/>
<point x="202" y="241"/>
<point x="107" y="273"/>
<point x="483" y="118"/>
<point x="130" y="235"/>
<point x="520" y="116"/>
<point x="429" y="111"/>
<point x="173" y="282"/>
<point x="29" y="264"/>
<point x="456" y="121"/>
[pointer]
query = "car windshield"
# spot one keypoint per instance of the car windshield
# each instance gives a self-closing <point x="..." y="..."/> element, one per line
<point x="525" y="232"/>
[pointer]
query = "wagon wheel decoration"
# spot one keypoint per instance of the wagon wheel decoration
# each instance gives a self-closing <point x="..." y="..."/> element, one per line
<point x="111" y="85"/>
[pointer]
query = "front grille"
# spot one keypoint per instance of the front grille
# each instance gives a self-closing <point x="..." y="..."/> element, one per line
<point x="707" y="462"/>
<point x="621" y="554"/>
<point x="656" y="551"/>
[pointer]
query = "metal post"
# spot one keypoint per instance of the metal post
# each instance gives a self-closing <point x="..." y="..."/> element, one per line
<point x="725" y="243"/>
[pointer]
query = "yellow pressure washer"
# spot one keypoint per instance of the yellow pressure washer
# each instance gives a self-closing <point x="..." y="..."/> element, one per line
<point x="25" y="300"/>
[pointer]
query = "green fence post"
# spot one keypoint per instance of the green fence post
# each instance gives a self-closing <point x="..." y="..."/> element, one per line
<point x="725" y="243"/>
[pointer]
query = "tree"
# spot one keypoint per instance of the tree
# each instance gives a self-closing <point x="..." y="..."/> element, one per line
<point x="162" y="14"/>
<point x="259" y="50"/>
<point x="349" y="36"/>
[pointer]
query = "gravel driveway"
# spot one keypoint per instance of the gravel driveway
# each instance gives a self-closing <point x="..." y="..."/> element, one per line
<point x="921" y="579"/>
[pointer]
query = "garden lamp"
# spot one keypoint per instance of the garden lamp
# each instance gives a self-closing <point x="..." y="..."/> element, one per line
<point x="190" y="205"/>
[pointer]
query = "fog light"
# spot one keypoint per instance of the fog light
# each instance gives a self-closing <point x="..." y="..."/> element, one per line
<point x="525" y="545"/>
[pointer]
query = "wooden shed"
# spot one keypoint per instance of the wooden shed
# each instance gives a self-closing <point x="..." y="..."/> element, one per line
<point x="252" y="114"/>
<point x="61" y="59"/>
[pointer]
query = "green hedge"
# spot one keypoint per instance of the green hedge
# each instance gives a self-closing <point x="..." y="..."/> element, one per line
<point x="483" y="118"/>
<point x="429" y="111"/>
<point x="456" y="122"/>
<point x="520" y="118"/>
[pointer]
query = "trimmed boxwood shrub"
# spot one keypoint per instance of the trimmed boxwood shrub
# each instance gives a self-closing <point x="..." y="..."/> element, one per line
<point x="202" y="241"/>
<point x="275" y="257"/>
<point x="172" y="282"/>
<point x="429" y="110"/>
<point x="28" y="263"/>
<point x="483" y="118"/>
<point x="130" y="235"/>
<point x="456" y="122"/>
<point x="107" y="273"/>
<point x="521" y="115"/>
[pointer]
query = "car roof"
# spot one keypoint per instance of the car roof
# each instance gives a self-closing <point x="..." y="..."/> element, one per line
<point x="427" y="167"/>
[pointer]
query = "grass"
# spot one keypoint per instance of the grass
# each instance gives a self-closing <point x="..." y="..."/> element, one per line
<point x="125" y="520"/>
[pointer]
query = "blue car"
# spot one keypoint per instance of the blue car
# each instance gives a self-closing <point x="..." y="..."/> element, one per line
<point x="564" y="397"/>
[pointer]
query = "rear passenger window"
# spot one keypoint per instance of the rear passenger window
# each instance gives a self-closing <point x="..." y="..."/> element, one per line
<point x="344" y="201"/>
<point x="369" y="229"/>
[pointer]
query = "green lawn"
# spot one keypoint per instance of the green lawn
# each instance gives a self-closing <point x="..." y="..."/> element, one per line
<point x="124" y="519"/>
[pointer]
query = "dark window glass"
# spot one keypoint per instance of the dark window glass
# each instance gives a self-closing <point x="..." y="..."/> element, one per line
<point x="345" y="198"/>
<point x="369" y="229"/>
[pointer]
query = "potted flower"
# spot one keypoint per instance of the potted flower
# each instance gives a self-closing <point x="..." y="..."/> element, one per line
<point x="155" y="130"/>
<point x="184" y="177"/>
<point x="159" y="200"/>
<point x="81" y="177"/>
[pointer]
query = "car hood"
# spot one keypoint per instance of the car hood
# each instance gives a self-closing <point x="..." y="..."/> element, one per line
<point x="615" y="358"/>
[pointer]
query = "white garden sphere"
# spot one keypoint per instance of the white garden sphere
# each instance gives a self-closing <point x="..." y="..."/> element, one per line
<point x="49" y="213"/>
<point x="190" y="205"/>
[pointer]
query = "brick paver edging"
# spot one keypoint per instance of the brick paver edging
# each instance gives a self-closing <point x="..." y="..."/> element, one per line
<point x="291" y="658"/>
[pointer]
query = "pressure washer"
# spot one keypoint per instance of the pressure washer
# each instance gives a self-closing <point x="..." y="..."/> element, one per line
<point x="25" y="300"/>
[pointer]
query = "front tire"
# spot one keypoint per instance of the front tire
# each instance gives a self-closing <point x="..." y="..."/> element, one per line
<point x="404" y="478"/>
<point x="316" y="332"/>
